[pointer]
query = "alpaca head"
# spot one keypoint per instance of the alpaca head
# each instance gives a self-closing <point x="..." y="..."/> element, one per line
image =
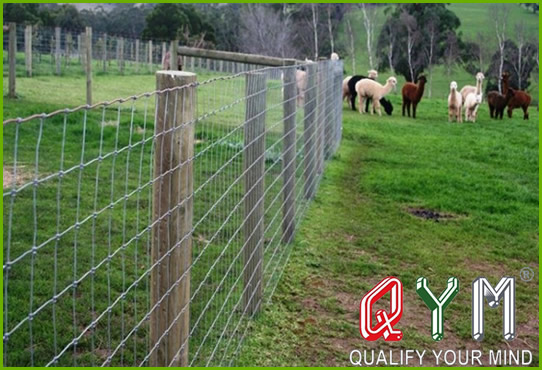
<point x="480" y="76"/>
<point x="372" y="74"/>
<point x="387" y="106"/>
<point x="422" y="79"/>
<point x="453" y="85"/>
<point x="334" y="56"/>
<point x="505" y="76"/>
<point x="392" y="81"/>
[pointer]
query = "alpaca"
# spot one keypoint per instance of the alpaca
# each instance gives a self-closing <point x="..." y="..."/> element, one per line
<point x="301" y="84"/>
<point x="473" y="99"/>
<point x="412" y="94"/>
<point x="472" y="89"/>
<point x="520" y="100"/>
<point x="454" y="103"/>
<point x="372" y="74"/>
<point x="334" y="56"/>
<point x="368" y="88"/>
<point x="346" y="90"/>
<point x="497" y="102"/>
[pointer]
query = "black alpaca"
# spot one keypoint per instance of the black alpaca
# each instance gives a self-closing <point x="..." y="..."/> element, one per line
<point x="388" y="107"/>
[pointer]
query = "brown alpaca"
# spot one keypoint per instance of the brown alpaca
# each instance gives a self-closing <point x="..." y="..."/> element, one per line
<point x="412" y="94"/>
<point x="520" y="99"/>
<point x="497" y="102"/>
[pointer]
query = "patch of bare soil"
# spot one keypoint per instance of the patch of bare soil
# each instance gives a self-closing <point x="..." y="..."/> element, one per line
<point x="22" y="177"/>
<point x="428" y="214"/>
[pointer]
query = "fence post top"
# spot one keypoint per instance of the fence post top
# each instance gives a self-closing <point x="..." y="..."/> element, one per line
<point x="176" y="73"/>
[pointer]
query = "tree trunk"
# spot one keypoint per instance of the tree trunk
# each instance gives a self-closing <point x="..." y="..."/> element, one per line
<point x="315" y="31"/>
<point x="330" y="29"/>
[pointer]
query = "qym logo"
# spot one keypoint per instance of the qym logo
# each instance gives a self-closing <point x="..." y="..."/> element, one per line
<point x="481" y="288"/>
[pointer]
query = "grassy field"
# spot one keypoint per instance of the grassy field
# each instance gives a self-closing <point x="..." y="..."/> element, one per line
<point x="482" y="178"/>
<point x="474" y="18"/>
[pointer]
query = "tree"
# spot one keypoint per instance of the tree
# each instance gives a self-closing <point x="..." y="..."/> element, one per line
<point x="21" y="13"/>
<point x="266" y="32"/>
<point x="314" y="11"/>
<point x="409" y="23"/>
<point x="430" y="50"/>
<point x="169" y="21"/>
<point x="499" y="14"/>
<point x="451" y="52"/>
<point x="529" y="63"/>
<point x="351" y="48"/>
<point x="369" y="20"/>
<point x="518" y="62"/>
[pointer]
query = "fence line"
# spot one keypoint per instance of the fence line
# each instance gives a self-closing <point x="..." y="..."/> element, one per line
<point x="149" y="231"/>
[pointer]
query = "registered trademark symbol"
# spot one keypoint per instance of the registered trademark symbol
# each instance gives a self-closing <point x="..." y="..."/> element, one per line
<point x="526" y="274"/>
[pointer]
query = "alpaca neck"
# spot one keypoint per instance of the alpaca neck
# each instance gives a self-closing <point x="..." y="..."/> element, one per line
<point x="478" y="87"/>
<point x="453" y="100"/>
<point x="419" y="90"/>
<point x="504" y="86"/>
<point x="387" y="88"/>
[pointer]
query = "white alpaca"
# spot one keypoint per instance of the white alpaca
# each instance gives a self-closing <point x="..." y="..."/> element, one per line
<point x="346" y="90"/>
<point x="473" y="100"/>
<point x="334" y="56"/>
<point x="372" y="74"/>
<point x="454" y="103"/>
<point x="469" y="88"/>
<point x="301" y="84"/>
<point x="367" y="88"/>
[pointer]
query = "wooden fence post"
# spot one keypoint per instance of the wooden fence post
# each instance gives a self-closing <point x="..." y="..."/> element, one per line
<point x="104" y="53"/>
<point x="173" y="59"/>
<point x="331" y="108"/>
<point x="120" y="59"/>
<point x="88" y="64"/>
<point x="28" y="50"/>
<point x="322" y="79"/>
<point x="69" y="47"/>
<point x="164" y="52"/>
<point x="289" y="154"/>
<point x="57" y="50"/>
<point x="150" y="55"/>
<point x="79" y="49"/>
<point x="171" y="248"/>
<point x="12" y="55"/>
<point x="310" y="131"/>
<point x="254" y="166"/>
<point x="137" y="55"/>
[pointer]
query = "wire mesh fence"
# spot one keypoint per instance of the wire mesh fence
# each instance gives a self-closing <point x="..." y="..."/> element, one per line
<point x="150" y="230"/>
<point x="56" y="51"/>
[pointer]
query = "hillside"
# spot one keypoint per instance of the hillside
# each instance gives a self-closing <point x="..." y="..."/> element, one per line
<point x="474" y="17"/>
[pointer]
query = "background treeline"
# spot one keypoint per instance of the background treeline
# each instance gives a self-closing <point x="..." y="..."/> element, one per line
<point x="402" y="39"/>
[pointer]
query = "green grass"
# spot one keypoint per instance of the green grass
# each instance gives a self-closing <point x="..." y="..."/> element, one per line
<point x="474" y="18"/>
<point x="80" y="192"/>
<point x="359" y="231"/>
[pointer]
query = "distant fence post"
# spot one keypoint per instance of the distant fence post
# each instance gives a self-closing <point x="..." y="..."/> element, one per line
<point x="69" y="47"/>
<point x="164" y="51"/>
<point x="88" y="64"/>
<point x="289" y="154"/>
<point x="173" y="59"/>
<point x="331" y="108"/>
<point x="150" y="55"/>
<point x="310" y="131"/>
<point x="120" y="59"/>
<point x="172" y="211"/>
<point x="322" y="111"/>
<point x="79" y="49"/>
<point x="137" y="55"/>
<point x="104" y="53"/>
<point x="12" y="51"/>
<point x="57" y="50"/>
<point x="28" y="50"/>
<point x="254" y="166"/>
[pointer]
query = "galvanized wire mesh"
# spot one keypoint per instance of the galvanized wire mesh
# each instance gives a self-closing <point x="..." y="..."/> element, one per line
<point x="89" y="201"/>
